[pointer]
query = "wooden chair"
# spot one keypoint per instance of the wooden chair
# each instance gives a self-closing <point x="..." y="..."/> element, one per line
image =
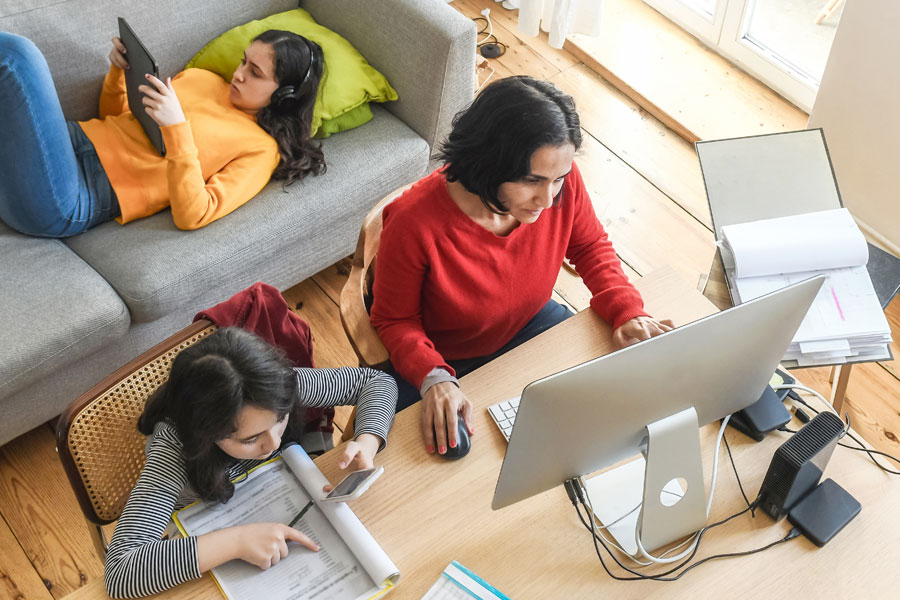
<point x="97" y="439"/>
<point x="356" y="296"/>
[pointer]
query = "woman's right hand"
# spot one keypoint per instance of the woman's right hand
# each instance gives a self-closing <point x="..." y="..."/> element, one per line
<point x="265" y="544"/>
<point x="117" y="54"/>
<point x="441" y="407"/>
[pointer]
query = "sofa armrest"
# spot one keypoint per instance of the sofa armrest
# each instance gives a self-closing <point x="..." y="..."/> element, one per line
<point x="425" y="48"/>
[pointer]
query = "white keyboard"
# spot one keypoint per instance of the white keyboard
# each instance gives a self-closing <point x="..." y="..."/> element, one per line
<point x="504" y="415"/>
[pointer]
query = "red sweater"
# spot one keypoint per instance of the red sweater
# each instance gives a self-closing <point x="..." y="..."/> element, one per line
<point x="447" y="289"/>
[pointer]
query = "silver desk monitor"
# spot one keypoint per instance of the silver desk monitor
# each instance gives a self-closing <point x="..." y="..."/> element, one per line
<point x="588" y="417"/>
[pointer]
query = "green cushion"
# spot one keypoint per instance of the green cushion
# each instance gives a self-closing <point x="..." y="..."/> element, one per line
<point x="348" y="83"/>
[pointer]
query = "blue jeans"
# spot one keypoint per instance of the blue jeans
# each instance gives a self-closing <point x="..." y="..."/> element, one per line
<point x="551" y="314"/>
<point x="53" y="184"/>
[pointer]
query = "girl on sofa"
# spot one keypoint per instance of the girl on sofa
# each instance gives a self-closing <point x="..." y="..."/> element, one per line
<point x="223" y="141"/>
<point x="230" y="403"/>
<point x="469" y="255"/>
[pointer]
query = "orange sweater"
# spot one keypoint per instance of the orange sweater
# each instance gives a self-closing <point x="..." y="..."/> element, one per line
<point x="216" y="160"/>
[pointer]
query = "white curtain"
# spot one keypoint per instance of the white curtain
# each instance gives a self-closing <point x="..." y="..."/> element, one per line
<point x="557" y="17"/>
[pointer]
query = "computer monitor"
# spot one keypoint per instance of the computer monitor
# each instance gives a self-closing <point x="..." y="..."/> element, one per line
<point x="651" y="397"/>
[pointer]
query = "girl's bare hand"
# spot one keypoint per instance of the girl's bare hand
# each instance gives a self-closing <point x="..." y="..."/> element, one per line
<point x="117" y="54"/>
<point x="161" y="102"/>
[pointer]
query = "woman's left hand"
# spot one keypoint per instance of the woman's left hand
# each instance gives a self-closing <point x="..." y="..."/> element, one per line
<point x="639" y="329"/>
<point x="161" y="102"/>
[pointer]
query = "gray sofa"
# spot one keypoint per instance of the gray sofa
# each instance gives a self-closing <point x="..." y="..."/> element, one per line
<point x="72" y="311"/>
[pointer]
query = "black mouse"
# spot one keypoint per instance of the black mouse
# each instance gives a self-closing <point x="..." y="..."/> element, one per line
<point x="463" y="443"/>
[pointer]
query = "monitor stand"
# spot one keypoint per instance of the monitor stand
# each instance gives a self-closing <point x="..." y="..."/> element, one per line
<point x="668" y="485"/>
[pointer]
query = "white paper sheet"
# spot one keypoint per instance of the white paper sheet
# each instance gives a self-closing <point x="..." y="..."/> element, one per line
<point x="814" y="241"/>
<point x="370" y="554"/>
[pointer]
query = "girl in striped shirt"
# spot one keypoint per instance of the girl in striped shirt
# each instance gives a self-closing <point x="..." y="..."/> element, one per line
<point x="230" y="403"/>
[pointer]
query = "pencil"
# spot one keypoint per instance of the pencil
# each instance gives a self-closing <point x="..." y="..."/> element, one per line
<point x="299" y="516"/>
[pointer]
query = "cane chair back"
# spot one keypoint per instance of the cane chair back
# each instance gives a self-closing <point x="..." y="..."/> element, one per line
<point x="98" y="442"/>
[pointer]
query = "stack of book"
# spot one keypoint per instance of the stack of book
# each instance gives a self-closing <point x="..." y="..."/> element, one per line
<point x="846" y="322"/>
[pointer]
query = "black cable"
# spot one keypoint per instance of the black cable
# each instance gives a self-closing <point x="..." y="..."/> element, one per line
<point x="490" y="39"/>
<point x="862" y="447"/>
<point x="638" y="575"/>
<point x="791" y="535"/>
<point x="659" y="576"/>
<point x="736" y="476"/>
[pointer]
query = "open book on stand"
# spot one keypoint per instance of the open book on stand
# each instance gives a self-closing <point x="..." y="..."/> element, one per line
<point x="846" y="322"/>
<point x="349" y="564"/>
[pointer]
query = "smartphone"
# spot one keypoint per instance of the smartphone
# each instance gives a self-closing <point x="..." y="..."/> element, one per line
<point x="354" y="484"/>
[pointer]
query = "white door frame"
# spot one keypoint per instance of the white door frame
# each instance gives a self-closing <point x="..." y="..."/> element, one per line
<point x="725" y="33"/>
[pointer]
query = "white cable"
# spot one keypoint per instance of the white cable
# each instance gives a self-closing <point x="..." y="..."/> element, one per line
<point x="486" y="13"/>
<point x="484" y="83"/>
<point x="596" y="531"/>
<point x="695" y="537"/>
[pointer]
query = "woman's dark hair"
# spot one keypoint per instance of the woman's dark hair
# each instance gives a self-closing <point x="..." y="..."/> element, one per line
<point x="210" y="382"/>
<point x="492" y="141"/>
<point x="299" y="63"/>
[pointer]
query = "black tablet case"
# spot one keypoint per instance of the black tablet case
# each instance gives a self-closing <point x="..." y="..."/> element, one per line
<point x="141" y="63"/>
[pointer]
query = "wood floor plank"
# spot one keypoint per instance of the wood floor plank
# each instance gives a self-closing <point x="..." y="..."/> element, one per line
<point x="507" y="21"/>
<point x="690" y="83"/>
<point x="332" y="279"/>
<point x="41" y="511"/>
<point x="892" y="312"/>
<point x="646" y="228"/>
<point x="637" y="138"/>
<point x="330" y="345"/>
<point x="872" y="401"/>
<point x="18" y="579"/>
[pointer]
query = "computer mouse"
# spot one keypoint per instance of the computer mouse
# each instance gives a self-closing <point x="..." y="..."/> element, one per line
<point x="463" y="443"/>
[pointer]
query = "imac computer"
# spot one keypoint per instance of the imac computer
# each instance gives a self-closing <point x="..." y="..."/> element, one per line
<point x="650" y="399"/>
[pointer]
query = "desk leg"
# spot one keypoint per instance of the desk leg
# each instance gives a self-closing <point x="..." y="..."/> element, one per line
<point x="840" y="376"/>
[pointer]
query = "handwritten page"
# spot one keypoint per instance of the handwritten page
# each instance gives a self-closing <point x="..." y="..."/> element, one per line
<point x="845" y="306"/>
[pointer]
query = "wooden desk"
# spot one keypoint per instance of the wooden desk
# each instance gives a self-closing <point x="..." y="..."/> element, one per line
<point x="426" y="511"/>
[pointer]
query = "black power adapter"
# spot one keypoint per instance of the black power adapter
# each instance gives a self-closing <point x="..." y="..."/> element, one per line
<point x="766" y="414"/>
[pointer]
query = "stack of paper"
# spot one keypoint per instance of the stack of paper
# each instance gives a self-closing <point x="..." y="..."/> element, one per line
<point x="845" y="323"/>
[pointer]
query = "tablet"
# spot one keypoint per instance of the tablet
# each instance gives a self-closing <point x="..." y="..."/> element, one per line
<point x="141" y="63"/>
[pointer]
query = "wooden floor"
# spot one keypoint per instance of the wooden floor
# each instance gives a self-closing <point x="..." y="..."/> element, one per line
<point x="646" y="187"/>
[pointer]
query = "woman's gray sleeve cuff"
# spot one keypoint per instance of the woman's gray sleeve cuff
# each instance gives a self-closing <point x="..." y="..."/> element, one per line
<point x="435" y="376"/>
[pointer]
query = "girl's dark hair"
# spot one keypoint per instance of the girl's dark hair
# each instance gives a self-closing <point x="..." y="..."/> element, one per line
<point x="492" y="141"/>
<point x="210" y="382"/>
<point x="299" y="63"/>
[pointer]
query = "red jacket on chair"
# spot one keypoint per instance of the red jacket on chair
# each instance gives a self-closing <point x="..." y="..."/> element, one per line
<point x="261" y="309"/>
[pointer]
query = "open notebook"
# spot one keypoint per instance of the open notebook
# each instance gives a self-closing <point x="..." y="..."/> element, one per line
<point x="349" y="564"/>
<point x="846" y="321"/>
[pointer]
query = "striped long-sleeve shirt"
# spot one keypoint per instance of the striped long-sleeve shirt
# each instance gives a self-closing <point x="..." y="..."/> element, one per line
<point x="139" y="562"/>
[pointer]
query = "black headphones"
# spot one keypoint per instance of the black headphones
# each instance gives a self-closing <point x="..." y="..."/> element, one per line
<point x="289" y="92"/>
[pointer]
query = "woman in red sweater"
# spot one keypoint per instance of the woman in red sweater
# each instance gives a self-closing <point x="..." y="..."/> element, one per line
<point x="224" y="140"/>
<point x="470" y="254"/>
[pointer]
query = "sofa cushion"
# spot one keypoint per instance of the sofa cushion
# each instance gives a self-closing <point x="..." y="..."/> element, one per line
<point x="54" y="309"/>
<point x="348" y="81"/>
<point x="157" y="269"/>
<point x="74" y="36"/>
